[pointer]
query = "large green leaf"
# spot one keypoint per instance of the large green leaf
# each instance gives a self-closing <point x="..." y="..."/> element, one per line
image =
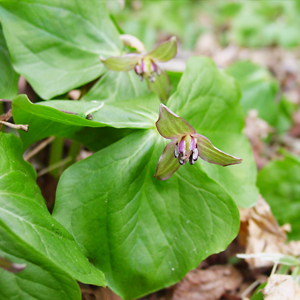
<point x="209" y="100"/>
<point x="259" y="89"/>
<point x="145" y="234"/>
<point x="279" y="183"/>
<point x="23" y="210"/>
<point x="8" y="77"/>
<point x="56" y="45"/>
<point x="116" y="86"/>
<point x="45" y="120"/>
<point x="40" y="280"/>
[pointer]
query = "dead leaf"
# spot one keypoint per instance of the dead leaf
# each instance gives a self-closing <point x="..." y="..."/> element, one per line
<point x="208" y="284"/>
<point x="261" y="233"/>
<point x="257" y="129"/>
<point x="97" y="293"/>
<point x="281" y="287"/>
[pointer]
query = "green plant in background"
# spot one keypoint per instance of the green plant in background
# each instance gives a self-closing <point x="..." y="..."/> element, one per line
<point x="278" y="182"/>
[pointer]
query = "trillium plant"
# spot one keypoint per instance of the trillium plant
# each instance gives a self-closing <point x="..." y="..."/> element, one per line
<point x="186" y="145"/>
<point x="145" y="64"/>
<point x="142" y="209"/>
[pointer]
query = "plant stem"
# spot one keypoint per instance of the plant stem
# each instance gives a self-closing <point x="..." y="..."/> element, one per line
<point x="38" y="148"/>
<point x="73" y="153"/>
<point x="56" y="153"/>
<point x="1" y="113"/>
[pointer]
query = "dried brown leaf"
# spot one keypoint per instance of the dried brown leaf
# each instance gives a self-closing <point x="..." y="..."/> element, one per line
<point x="208" y="284"/>
<point x="281" y="287"/>
<point x="261" y="233"/>
<point x="97" y="293"/>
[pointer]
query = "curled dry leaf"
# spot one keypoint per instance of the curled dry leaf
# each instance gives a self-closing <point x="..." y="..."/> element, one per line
<point x="260" y="233"/>
<point x="208" y="284"/>
<point x="281" y="287"/>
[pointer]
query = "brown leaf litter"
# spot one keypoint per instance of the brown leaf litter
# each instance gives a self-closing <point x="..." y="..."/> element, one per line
<point x="208" y="284"/>
<point x="281" y="287"/>
<point x="260" y="233"/>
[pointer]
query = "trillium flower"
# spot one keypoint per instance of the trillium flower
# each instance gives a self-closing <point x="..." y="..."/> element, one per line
<point x="145" y="64"/>
<point x="186" y="146"/>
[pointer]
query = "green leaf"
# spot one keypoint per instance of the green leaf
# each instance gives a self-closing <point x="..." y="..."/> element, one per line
<point x="209" y="100"/>
<point x="259" y="89"/>
<point x="40" y="280"/>
<point x="165" y="51"/>
<point x="174" y="78"/>
<point x="56" y="45"/>
<point x="23" y="210"/>
<point x="257" y="295"/>
<point x="143" y="233"/>
<point x="45" y="119"/>
<point x="8" y="77"/>
<point x="279" y="184"/>
<point x="117" y="86"/>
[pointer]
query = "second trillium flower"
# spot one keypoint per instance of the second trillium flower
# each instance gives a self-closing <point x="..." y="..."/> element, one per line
<point x="145" y="64"/>
<point x="186" y="146"/>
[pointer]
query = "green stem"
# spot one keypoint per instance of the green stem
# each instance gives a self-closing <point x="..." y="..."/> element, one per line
<point x="73" y="153"/>
<point x="56" y="153"/>
<point x="2" y="128"/>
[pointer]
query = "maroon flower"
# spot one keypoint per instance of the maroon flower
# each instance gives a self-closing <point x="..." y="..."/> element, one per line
<point x="186" y="145"/>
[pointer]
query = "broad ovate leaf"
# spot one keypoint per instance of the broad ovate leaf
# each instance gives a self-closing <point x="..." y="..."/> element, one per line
<point x="143" y="233"/>
<point x="56" y="45"/>
<point x="23" y="210"/>
<point x="48" y="117"/>
<point x="117" y="86"/>
<point x="209" y="100"/>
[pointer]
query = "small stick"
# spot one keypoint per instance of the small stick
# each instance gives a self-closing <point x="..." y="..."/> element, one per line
<point x="54" y="166"/>
<point x="5" y="100"/>
<point x="38" y="148"/>
<point x="6" y="117"/>
<point x="15" y="126"/>
<point x="251" y="287"/>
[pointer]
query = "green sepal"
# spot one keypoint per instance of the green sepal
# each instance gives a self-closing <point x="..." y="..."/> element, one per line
<point x="123" y="63"/>
<point x="171" y="126"/>
<point x="165" y="51"/>
<point x="211" y="154"/>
